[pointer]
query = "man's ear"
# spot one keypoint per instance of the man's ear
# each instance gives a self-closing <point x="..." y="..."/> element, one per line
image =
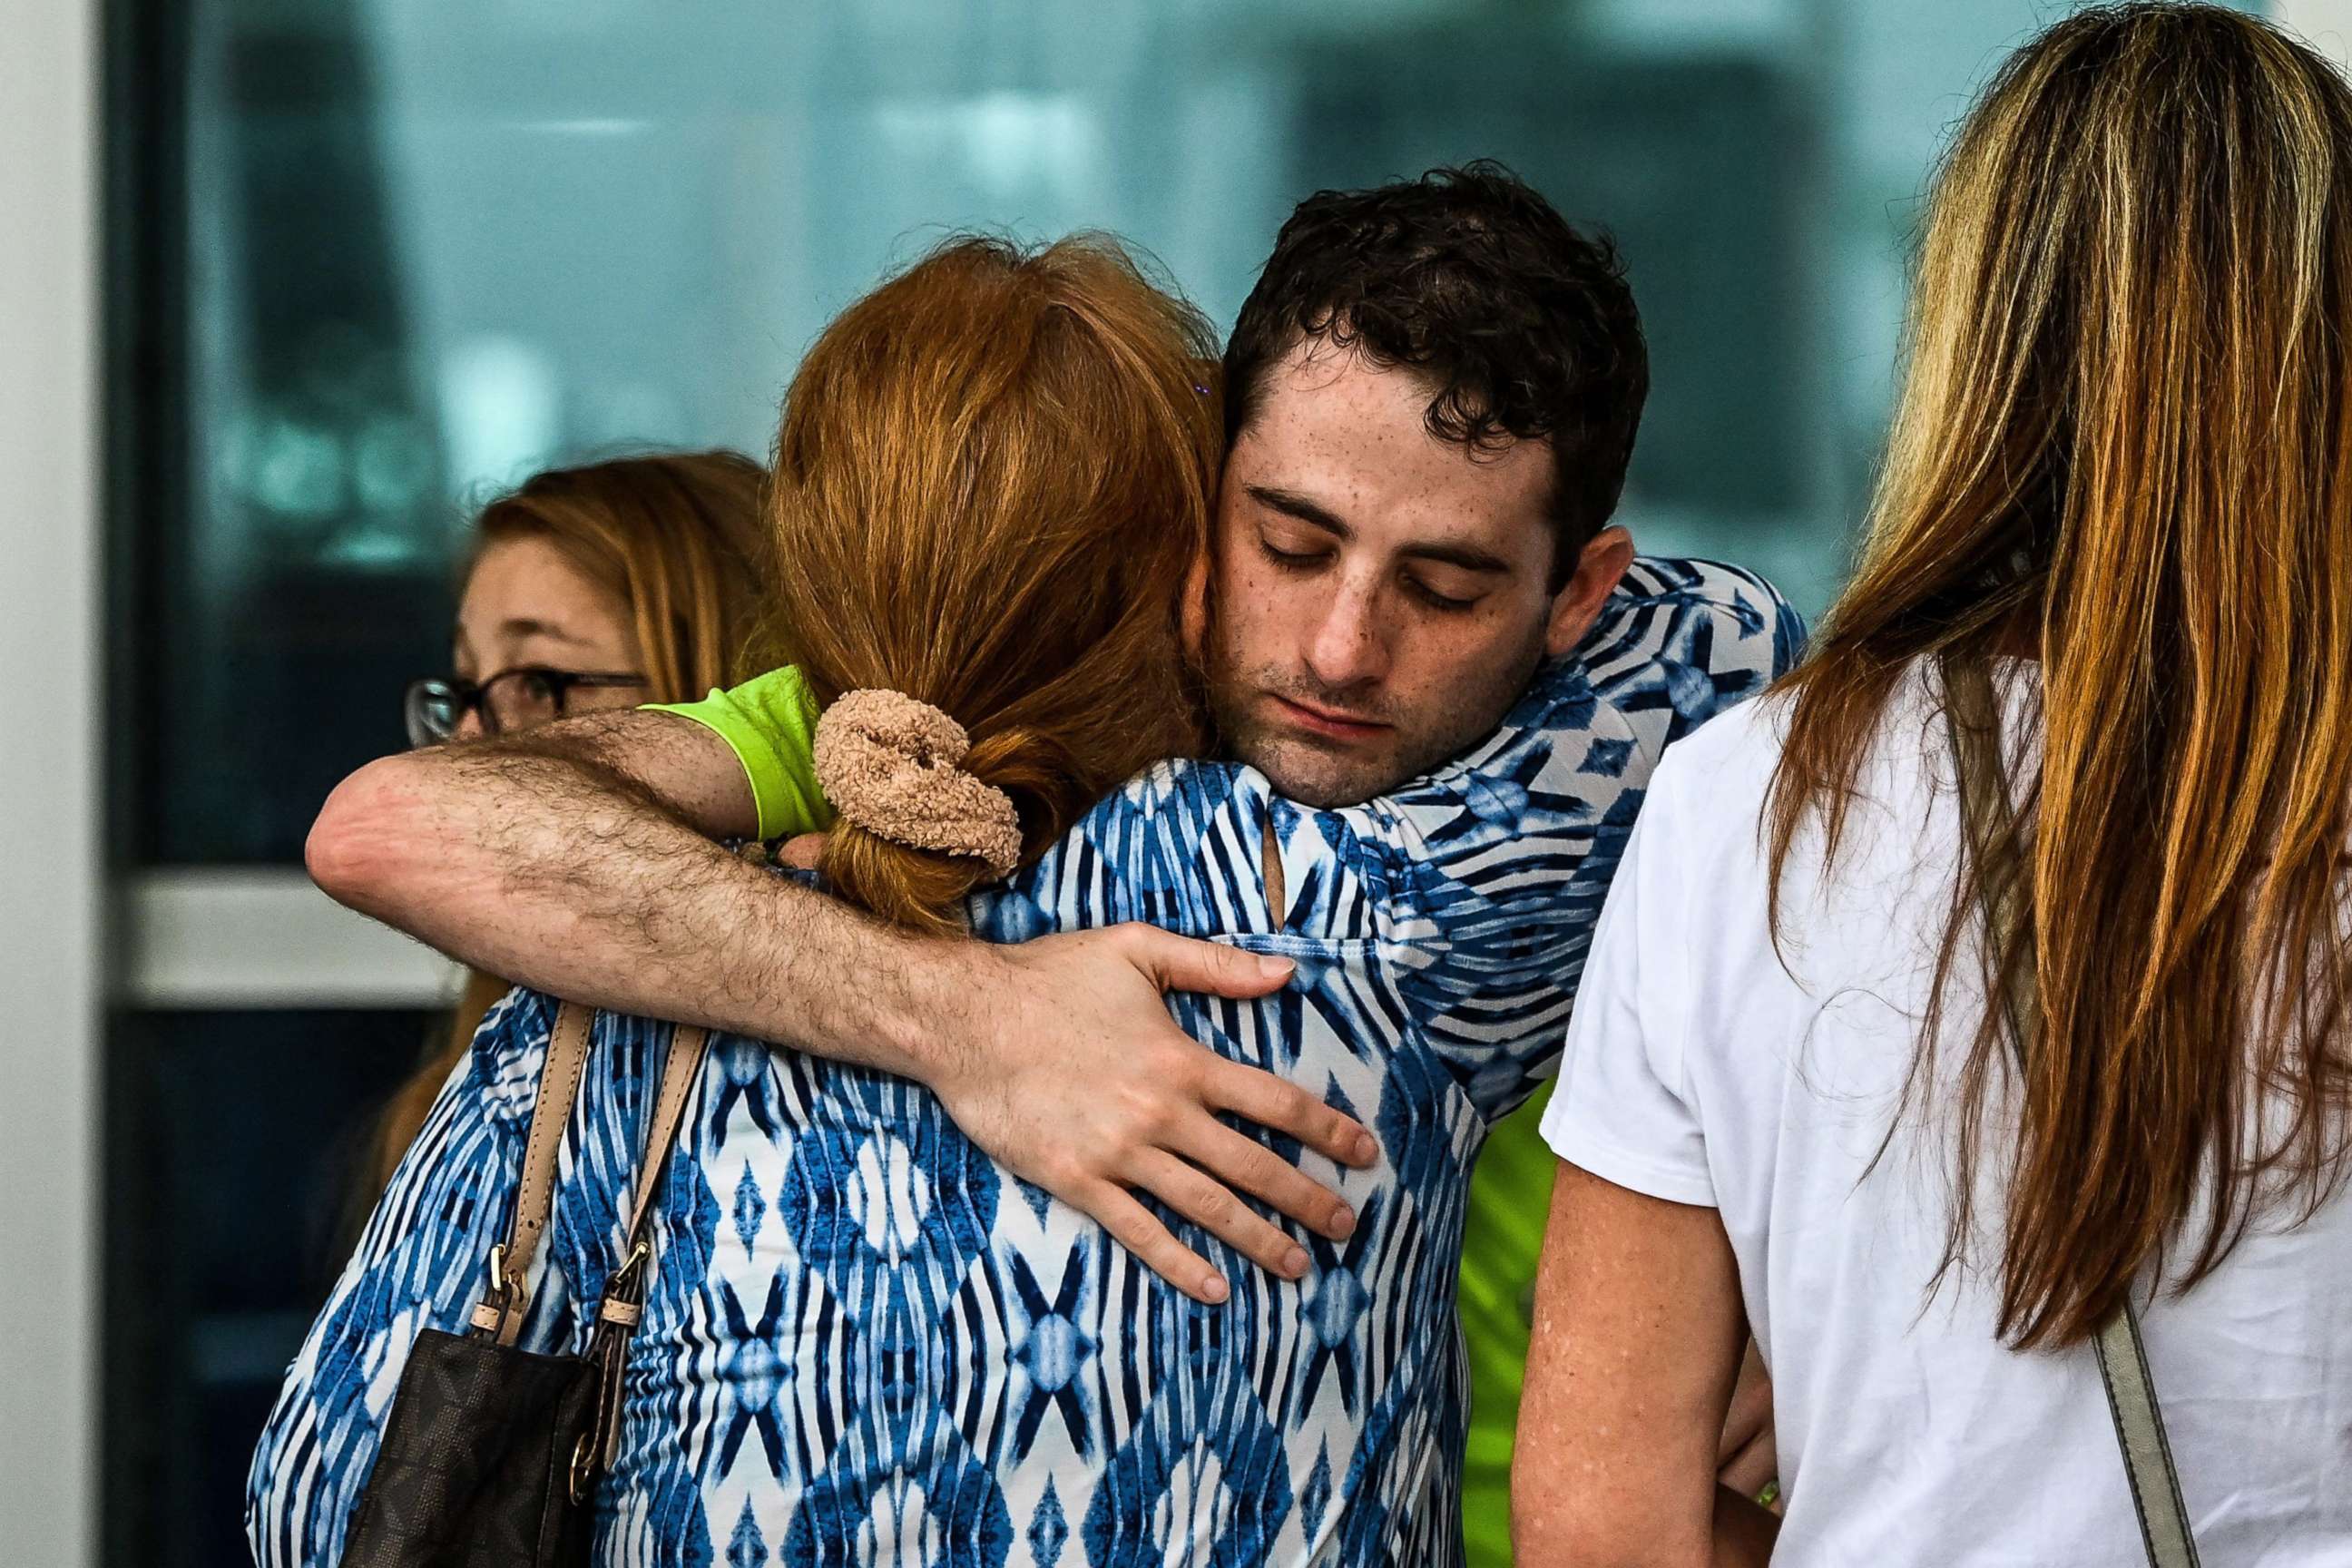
<point x="1603" y="561"/>
<point x="1193" y="614"/>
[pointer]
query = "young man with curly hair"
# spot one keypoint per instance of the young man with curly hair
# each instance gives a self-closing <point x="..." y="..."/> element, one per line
<point x="1441" y="680"/>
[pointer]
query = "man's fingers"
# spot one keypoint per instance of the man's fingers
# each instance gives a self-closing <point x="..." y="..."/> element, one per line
<point x="1208" y="1203"/>
<point x="803" y="851"/>
<point x="1284" y="1107"/>
<point x="1747" y="1472"/>
<point x="1132" y="1226"/>
<point x="1749" y="1454"/>
<point x="1751" y="1405"/>
<point x="1249" y="1167"/>
<point x="1184" y="963"/>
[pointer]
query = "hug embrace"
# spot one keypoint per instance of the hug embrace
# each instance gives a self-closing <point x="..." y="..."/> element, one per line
<point x="1191" y="798"/>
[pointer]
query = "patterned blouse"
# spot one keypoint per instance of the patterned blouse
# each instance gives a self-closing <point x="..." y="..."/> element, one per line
<point x="863" y="1343"/>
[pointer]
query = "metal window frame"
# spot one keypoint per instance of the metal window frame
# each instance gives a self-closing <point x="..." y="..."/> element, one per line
<point x="263" y="938"/>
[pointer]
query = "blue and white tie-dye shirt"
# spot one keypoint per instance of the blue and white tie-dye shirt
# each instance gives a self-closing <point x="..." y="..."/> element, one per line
<point x="863" y="1343"/>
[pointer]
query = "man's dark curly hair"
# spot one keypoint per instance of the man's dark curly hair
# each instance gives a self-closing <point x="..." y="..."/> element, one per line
<point x="1523" y="327"/>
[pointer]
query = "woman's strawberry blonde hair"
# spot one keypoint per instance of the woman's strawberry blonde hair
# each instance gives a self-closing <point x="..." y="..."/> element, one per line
<point x="992" y="476"/>
<point x="674" y="537"/>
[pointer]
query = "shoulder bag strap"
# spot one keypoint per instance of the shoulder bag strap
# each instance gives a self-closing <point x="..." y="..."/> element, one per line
<point x="687" y="1045"/>
<point x="500" y="1311"/>
<point x="624" y="1288"/>
<point x="1973" y="718"/>
<point x="622" y="1306"/>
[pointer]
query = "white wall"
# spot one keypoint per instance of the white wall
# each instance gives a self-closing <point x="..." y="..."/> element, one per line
<point x="2325" y="23"/>
<point x="50" y="888"/>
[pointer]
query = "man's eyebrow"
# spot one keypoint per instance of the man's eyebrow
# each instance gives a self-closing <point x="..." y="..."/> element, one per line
<point x="1462" y="555"/>
<point x="1290" y="503"/>
<point x="1313" y="513"/>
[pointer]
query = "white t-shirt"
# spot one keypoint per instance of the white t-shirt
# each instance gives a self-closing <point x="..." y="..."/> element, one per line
<point x="1703" y="1066"/>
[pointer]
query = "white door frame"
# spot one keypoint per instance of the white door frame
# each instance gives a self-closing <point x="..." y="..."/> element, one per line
<point x="52" y="872"/>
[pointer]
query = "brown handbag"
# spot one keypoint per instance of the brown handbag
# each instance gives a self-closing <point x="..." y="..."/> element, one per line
<point x="491" y="1452"/>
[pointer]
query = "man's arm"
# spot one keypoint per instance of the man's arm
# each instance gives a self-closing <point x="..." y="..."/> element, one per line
<point x="577" y="860"/>
<point x="1637" y="1341"/>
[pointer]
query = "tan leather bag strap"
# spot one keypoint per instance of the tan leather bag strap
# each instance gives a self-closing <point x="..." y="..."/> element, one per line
<point x="500" y="1311"/>
<point x="502" y="1308"/>
<point x="622" y="1307"/>
<point x="1973" y="715"/>
<point x="551" y="1112"/>
<point x="686" y="1047"/>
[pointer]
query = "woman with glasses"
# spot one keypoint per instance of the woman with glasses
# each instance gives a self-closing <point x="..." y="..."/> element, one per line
<point x="612" y="585"/>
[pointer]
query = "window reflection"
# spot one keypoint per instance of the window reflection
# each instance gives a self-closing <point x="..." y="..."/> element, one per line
<point x="430" y="247"/>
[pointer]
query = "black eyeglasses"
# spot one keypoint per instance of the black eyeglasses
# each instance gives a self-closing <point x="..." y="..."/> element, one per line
<point x="510" y="700"/>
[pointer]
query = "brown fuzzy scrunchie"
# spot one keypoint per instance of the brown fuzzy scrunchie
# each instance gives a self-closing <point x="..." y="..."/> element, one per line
<point x="892" y="765"/>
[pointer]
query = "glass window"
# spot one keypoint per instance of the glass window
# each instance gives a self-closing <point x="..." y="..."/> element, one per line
<point x="234" y="1185"/>
<point x="415" y="249"/>
<point x="374" y="259"/>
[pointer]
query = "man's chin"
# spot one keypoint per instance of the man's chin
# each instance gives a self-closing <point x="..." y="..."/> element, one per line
<point x="1323" y="779"/>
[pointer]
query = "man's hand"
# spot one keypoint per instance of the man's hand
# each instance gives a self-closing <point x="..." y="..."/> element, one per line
<point x="1749" y="1457"/>
<point x="1076" y="1079"/>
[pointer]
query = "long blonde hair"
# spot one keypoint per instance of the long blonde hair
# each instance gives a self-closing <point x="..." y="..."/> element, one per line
<point x="992" y="475"/>
<point x="2126" y="443"/>
<point x="675" y="537"/>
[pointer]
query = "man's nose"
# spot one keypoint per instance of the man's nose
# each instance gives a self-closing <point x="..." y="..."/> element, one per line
<point x="1349" y="646"/>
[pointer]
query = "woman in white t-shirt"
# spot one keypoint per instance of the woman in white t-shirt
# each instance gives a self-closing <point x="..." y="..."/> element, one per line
<point x="2110" y="586"/>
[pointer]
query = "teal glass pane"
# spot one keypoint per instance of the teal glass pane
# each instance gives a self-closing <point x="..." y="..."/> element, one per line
<point x="396" y="253"/>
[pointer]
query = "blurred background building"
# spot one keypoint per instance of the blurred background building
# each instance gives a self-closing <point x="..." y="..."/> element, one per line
<point x="285" y="284"/>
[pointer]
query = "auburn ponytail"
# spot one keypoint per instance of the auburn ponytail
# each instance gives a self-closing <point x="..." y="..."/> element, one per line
<point x="992" y="475"/>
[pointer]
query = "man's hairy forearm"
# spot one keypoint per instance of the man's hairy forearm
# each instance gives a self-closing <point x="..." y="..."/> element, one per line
<point x="542" y="863"/>
<point x="580" y="860"/>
